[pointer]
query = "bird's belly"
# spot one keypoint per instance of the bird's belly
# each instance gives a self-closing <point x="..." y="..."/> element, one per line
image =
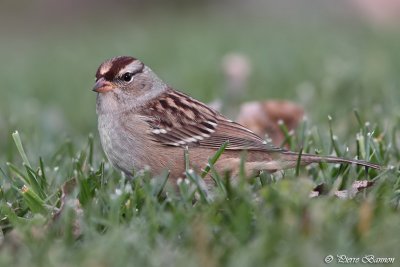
<point x="120" y="146"/>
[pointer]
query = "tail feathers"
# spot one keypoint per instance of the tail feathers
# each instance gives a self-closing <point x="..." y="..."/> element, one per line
<point x="309" y="158"/>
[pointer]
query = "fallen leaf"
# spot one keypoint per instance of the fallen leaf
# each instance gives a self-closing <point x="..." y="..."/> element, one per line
<point x="264" y="117"/>
<point x="356" y="187"/>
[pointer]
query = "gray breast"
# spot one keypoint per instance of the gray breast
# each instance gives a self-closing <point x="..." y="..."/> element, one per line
<point x="121" y="144"/>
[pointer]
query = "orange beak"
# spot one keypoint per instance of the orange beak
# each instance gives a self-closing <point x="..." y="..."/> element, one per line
<point x="102" y="86"/>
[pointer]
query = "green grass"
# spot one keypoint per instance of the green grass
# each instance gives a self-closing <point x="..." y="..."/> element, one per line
<point x="61" y="203"/>
<point x="252" y="222"/>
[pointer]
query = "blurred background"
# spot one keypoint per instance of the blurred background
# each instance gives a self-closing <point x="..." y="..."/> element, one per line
<point x="330" y="57"/>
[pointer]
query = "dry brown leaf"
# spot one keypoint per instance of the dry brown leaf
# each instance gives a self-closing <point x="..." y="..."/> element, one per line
<point x="356" y="187"/>
<point x="66" y="190"/>
<point x="263" y="117"/>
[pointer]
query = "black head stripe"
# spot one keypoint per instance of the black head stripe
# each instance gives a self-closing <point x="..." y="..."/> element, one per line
<point x="117" y="64"/>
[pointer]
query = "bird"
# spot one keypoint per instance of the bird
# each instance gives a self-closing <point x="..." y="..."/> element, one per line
<point x="144" y="123"/>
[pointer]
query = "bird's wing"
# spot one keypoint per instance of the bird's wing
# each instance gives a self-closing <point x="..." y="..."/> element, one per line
<point x="176" y="119"/>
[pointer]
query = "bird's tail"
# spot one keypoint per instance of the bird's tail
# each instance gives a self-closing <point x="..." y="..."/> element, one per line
<point x="306" y="159"/>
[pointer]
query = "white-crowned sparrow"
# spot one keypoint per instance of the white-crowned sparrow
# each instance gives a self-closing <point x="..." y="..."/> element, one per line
<point x="145" y="123"/>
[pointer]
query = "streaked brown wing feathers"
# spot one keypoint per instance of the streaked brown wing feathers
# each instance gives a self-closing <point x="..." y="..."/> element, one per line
<point x="178" y="120"/>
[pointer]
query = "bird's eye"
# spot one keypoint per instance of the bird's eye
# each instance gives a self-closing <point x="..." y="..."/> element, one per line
<point x="127" y="77"/>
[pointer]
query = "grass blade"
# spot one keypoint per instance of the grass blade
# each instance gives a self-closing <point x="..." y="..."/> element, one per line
<point x="298" y="164"/>
<point x="18" y="143"/>
<point x="33" y="201"/>
<point x="42" y="174"/>
<point x="288" y="136"/>
<point x="90" y="144"/>
<point x="17" y="172"/>
<point x="34" y="183"/>
<point x="358" y="117"/>
<point x="197" y="180"/>
<point x="214" y="159"/>
<point x="9" y="213"/>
